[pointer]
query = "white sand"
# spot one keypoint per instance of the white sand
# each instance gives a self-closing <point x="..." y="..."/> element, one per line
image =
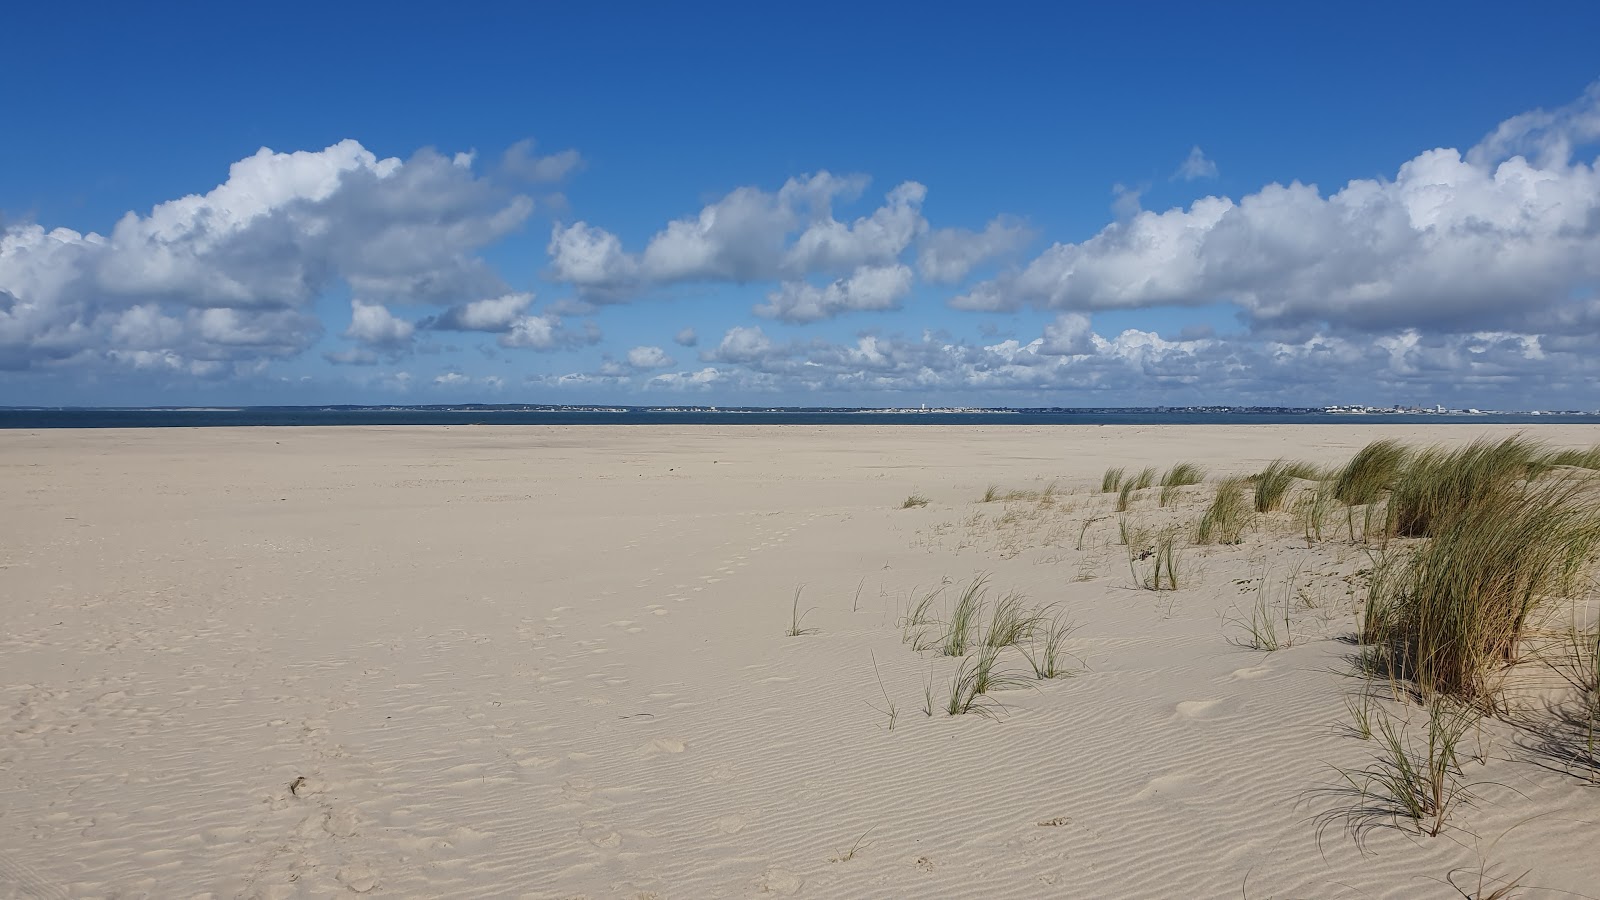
<point x="551" y="662"/>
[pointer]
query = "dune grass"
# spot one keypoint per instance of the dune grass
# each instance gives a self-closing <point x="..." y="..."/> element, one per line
<point x="1268" y="624"/>
<point x="1181" y="474"/>
<point x="1311" y="510"/>
<point x="1371" y="472"/>
<point x="1422" y="784"/>
<point x="1011" y="624"/>
<point x="1225" y="519"/>
<point x="1048" y="657"/>
<point x="913" y="501"/>
<point x="1272" y="485"/>
<point x="1581" y="459"/>
<point x="990" y="493"/>
<point x="1145" y="478"/>
<point x="1111" y="481"/>
<point x="1454" y="610"/>
<point x="976" y="678"/>
<point x="1164" y="556"/>
<point x="797" y="618"/>
<point x="1439" y="481"/>
<point x="1124" y="494"/>
<point x="962" y="629"/>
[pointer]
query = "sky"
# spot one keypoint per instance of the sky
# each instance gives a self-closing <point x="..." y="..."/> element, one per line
<point x="823" y="204"/>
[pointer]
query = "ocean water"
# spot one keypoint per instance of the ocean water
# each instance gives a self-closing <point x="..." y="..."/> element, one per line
<point x="304" y="415"/>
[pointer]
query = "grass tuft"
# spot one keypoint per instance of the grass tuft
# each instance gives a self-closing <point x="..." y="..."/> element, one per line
<point x="1011" y="624"/>
<point x="797" y="618"/>
<point x="1371" y="472"/>
<point x="1454" y="610"/>
<point x="1422" y="784"/>
<point x="963" y="626"/>
<point x="1273" y="484"/>
<point x="1145" y="478"/>
<point x="915" y="500"/>
<point x="1225" y="519"/>
<point x="1048" y="657"/>
<point x="1111" y="481"/>
<point x="1184" y="473"/>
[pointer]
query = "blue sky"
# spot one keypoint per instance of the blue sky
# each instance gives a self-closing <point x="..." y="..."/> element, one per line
<point x="829" y="204"/>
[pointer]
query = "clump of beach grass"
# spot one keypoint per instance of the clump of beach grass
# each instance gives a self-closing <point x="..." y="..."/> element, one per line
<point x="1272" y="485"/>
<point x="977" y="676"/>
<point x="797" y="618"/>
<point x="913" y="501"/>
<point x="1371" y="472"/>
<point x="1268" y="624"/>
<point x="962" y="629"/>
<point x="991" y="493"/>
<point x="1124" y="494"/>
<point x="1181" y="474"/>
<point x="1579" y="459"/>
<point x="1048" y="657"/>
<point x="1225" y="519"/>
<point x="1145" y="478"/>
<point x="1439" y="482"/>
<point x="1011" y="624"/>
<point x="1311" y="510"/>
<point x="1422" y="783"/>
<point x="1454" y="610"/>
<point x="1164" y="556"/>
<point x="1111" y="481"/>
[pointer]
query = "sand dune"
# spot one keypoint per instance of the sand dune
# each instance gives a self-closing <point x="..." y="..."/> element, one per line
<point x="551" y="662"/>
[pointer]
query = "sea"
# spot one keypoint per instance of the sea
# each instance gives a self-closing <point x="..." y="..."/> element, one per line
<point x="268" y="416"/>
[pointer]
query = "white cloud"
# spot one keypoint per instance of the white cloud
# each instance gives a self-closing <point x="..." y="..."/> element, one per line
<point x="495" y="314"/>
<point x="868" y="288"/>
<point x="741" y="345"/>
<point x="1452" y="245"/>
<point x="686" y="338"/>
<point x="748" y="235"/>
<point x="533" y="333"/>
<point x="227" y="277"/>
<point x="948" y="254"/>
<point x="649" y="358"/>
<point x="1196" y="165"/>
<point x="372" y="324"/>
<point x="451" y="379"/>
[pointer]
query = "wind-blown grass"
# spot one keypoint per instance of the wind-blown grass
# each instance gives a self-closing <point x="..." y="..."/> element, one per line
<point x="1439" y="482"/>
<point x="1456" y="608"/>
<point x="1225" y="519"/>
<point x="1371" y="472"/>
<point x="1048" y="658"/>
<point x="1145" y="478"/>
<point x="1422" y="784"/>
<point x="1164" y="558"/>
<point x="915" y="500"/>
<point x="962" y="628"/>
<point x="1123" y="495"/>
<point x="975" y="679"/>
<point x="1011" y="624"/>
<point x="1184" y="473"/>
<point x="797" y="618"/>
<point x="1581" y="459"/>
<point x="1111" y="481"/>
<point x="1273" y="484"/>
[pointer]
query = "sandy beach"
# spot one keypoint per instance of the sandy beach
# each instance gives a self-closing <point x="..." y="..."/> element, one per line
<point x="553" y="662"/>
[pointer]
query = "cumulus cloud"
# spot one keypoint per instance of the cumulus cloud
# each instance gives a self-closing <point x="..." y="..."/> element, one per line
<point x="1454" y="244"/>
<point x="649" y="358"/>
<point x="495" y="314"/>
<point x="686" y="338"/>
<point x="868" y="288"/>
<point x="948" y="254"/>
<point x="1196" y="165"/>
<point x="225" y="278"/>
<point x="372" y="324"/>
<point x="749" y="235"/>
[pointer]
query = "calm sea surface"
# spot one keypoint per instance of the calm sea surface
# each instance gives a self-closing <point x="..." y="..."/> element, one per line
<point x="270" y="416"/>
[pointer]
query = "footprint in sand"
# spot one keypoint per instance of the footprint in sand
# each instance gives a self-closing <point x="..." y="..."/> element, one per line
<point x="661" y="746"/>
<point x="600" y="835"/>
<point x="1202" y="709"/>
<point x="731" y="824"/>
<point x="779" y="881"/>
<point x="1251" y="672"/>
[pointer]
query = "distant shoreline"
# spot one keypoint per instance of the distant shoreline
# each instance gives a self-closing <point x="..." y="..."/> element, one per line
<point x="472" y="414"/>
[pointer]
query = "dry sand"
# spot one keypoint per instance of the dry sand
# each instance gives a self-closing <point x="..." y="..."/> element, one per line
<point x="551" y="662"/>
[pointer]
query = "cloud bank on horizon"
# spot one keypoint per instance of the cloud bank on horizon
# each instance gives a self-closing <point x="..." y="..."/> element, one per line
<point x="1470" y="273"/>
